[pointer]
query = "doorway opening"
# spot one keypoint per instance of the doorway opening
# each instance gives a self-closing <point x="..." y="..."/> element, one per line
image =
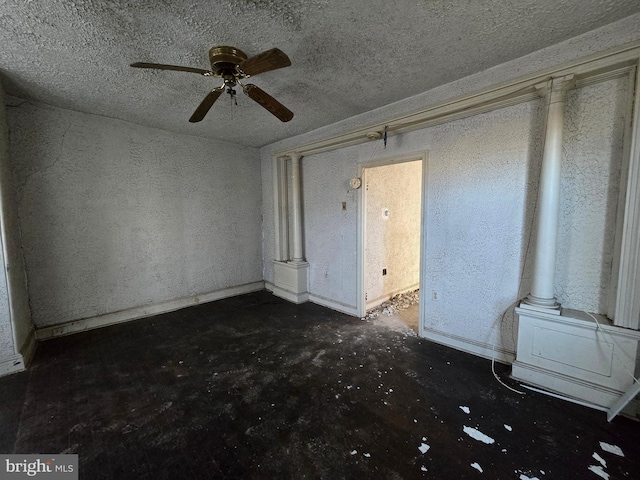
<point x="390" y="237"/>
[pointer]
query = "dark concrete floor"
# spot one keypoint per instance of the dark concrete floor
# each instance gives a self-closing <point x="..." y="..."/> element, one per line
<point x="254" y="387"/>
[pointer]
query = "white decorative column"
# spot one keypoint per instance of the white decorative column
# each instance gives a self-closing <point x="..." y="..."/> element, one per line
<point x="542" y="296"/>
<point x="291" y="278"/>
<point x="562" y="350"/>
<point x="296" y="208"/>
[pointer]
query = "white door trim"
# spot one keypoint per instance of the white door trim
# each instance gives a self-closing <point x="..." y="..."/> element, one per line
<point x="361" y="240"/>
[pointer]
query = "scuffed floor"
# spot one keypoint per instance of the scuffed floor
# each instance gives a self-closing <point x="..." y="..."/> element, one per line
<point x="254" y="387"/>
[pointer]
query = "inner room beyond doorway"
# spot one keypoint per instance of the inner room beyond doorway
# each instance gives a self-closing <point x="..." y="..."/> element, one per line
<point x="391" y="236"/>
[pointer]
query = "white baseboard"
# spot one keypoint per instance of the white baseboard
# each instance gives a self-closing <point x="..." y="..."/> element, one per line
<point x="474" y="347"/>
<point x="28" y="348"/>
<point x="290" y="296"/>
<point x="333" y="305"/>
<point x="141" y="312"/>
<point x="571" y="388"/>
<point x="11" y="364"/>
<point x="317" y="299"/>
<point x="19" y="362"/>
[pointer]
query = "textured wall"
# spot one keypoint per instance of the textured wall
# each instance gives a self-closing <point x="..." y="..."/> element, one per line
<point x="482" y="188"/>
<point x="330" y="231"/>
<point x="392" y="241"/>
<point x="6" y="334"/>
<point x="11" y="238"/>
<point x="481" y="191"/>
<point x="482" y="177"/>
<point x="477" y="197"/>
<point x="116" y="215"/>
<point x="593" y="130"/>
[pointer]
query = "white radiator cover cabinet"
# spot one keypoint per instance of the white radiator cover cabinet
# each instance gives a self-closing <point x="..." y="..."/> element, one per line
<point x="572" y="354"/>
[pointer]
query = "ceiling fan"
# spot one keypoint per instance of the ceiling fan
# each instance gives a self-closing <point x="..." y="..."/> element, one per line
<point x="232" y="65"/>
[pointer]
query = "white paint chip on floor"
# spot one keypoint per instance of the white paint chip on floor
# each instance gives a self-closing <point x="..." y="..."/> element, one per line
<point x="465" y="409"/>
<point x="478" y="435"/>
<point x="598" y="470"/>
<point x="600" y="459"/>
<point x="354" y="452"/>
<point x="368" y="455"/>
<point x="508" y="427"/>
<point x="524" y="477"/>
<point x="611" y="449"/>
<point x="424" y="448"/>
<point x="477" y="466"/>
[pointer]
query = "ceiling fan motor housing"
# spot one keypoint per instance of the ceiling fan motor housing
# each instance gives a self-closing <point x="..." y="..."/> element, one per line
<point x="224" y="59"/>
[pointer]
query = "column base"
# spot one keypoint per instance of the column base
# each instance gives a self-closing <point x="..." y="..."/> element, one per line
<point x="542" y="305"/>
<point x="291" y="281"/>
<point x="572" y="355"/>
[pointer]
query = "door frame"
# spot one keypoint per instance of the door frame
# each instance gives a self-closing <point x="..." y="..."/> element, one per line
<point x="361" y="220"/>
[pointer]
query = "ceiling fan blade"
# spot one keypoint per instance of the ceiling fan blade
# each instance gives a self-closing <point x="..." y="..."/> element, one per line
<point x="268" y="102"/>
<point x="161" y="66"/>
<point x="265" y="62"/>
<point x="206" y="105"/>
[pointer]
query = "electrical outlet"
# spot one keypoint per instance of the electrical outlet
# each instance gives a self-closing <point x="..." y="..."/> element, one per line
<point x="434" y="295"/>
<point x="344" y="205"/>
<point x="384" y="272"/>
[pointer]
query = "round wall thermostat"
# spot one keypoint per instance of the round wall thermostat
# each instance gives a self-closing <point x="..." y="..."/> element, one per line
<point x="355" y="183"/>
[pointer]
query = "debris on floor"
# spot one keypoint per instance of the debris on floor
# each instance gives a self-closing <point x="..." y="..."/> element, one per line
<point x="395" y="304"/>
<point x="294" y="391"/>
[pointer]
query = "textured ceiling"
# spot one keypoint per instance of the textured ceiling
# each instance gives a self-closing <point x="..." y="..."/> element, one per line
<point x="348" y="56"/>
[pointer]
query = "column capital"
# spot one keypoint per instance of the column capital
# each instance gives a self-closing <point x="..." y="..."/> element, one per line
<point x="294" y="156"/>
<point x="556" y="87"/>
